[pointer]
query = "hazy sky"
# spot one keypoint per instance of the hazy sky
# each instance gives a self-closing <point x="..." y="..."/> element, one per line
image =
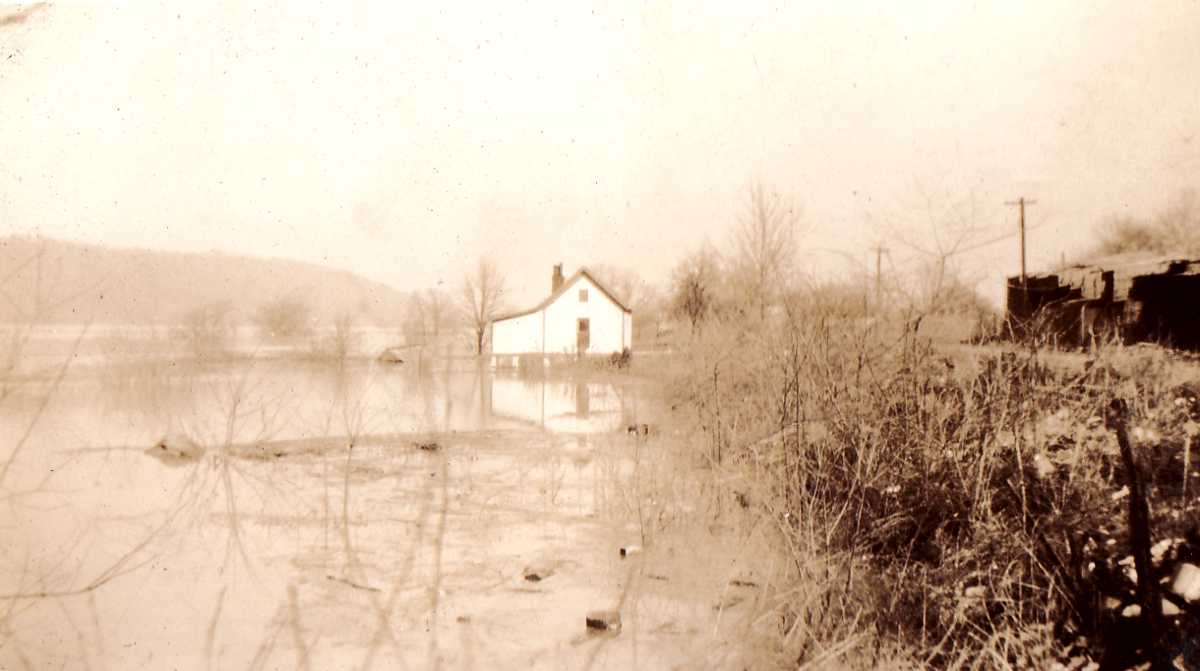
<point x="403" y="140"/>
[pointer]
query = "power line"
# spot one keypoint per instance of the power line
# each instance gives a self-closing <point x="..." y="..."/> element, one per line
<point x="993" y="241"/>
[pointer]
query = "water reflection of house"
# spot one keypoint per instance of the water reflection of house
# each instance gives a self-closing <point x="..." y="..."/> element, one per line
<point x="568" y="406"/>
<point x="579" y="317"/>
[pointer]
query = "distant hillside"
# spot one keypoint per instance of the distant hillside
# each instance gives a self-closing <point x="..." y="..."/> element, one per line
<point x="81" y="283"/>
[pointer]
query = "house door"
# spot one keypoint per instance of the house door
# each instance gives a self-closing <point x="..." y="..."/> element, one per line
<point x="583" y="337"/>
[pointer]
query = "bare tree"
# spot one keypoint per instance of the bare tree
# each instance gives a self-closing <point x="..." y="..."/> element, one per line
<point x="764" y="247"/>
<point x="434" y="312"/>
<point x="426" y="317"/>
<point x="207" y="329"/>
<point x="652" y="310"/>
<point x="343" y="340"/>
<point x="625" y="285"/>
<point x="482" y="294"/>
<point x="945" y="228"/>
<point x="413" y="325"/>
<point x="1174" y="230"/>
<point x="694" y="286"/>
<point x="284" y="319"/>
<point x="29" y="311"/>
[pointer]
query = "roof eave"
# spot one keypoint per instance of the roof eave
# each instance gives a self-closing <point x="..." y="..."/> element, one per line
<point x="566" y="285"/>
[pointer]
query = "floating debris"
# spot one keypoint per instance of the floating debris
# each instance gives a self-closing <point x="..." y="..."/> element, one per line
<point x="638" y="430"/>
<point x="537" y="572"/>
<point x="430" y="446"/>
<point x="629" y="550"/>
<point x="603" y="620"/>
<point x="391" y="355"/>
<point x="351" y="583"/>
<point x="176" y="449"/>
<point x="728" y="603"/>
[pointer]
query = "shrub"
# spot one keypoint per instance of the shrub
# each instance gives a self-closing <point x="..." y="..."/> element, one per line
<point x="971" y="507"/>
<point x="620" y="360"/>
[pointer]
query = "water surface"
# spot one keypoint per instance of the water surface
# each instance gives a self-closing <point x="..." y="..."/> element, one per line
<point x="314" y="531"/>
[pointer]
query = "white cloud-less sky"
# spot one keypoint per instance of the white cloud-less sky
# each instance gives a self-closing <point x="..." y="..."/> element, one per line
<point x="402" y="140"/>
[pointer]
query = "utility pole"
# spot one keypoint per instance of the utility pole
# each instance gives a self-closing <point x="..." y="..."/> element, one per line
<point x="879" y="250"/>
<point x="1021" y="203"/>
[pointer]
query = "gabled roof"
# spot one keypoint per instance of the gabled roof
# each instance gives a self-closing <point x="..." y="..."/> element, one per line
<point x="566" y="285"/>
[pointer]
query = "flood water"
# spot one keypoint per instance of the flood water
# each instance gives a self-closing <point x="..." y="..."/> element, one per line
<point x="338" y="518"/>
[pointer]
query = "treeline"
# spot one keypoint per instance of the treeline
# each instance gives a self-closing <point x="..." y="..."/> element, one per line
<point x="758" y="278"/>
<point x="1173" y="230"/>
<point x="77" y="283"/>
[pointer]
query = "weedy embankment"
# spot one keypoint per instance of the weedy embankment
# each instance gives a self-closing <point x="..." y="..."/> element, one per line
<point x="965" y="511"/>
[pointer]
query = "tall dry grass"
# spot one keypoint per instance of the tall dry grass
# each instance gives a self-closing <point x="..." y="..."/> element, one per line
<point x="961" y="510"/>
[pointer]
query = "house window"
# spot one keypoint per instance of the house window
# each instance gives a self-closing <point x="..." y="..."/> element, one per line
<point x="583" y="295"/>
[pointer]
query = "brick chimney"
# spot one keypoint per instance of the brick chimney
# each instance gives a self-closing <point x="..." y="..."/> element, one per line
<point x="556" y="281"/>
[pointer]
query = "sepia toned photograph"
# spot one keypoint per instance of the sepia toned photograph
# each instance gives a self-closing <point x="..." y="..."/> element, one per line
<point x="624" y="335"/>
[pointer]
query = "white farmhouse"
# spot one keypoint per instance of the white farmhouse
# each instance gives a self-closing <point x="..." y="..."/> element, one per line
<point x="579" y="317"/>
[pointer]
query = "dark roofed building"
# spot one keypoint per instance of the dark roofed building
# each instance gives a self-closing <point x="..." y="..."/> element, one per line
<point x="1137" y="298"/>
